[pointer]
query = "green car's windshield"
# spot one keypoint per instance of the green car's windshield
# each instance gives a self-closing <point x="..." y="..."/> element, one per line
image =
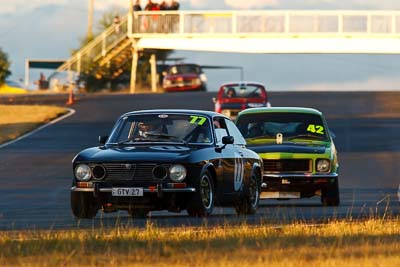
<point x="290" y="125"/>
<point x="182" y="128"/>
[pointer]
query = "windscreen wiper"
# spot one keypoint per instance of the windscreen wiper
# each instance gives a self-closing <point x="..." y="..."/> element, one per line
<point x="165" y="136"/>
<point x="305" y="136"/>
<point x="124" y="142"/>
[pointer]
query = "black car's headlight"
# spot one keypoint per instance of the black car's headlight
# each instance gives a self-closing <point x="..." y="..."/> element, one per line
<point x="83" y="172"/>
<point x="323" y="165"/>
<point x="177" y="173"/>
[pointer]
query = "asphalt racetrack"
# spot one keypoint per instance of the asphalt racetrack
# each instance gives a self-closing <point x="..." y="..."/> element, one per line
<point x="35" y="173"/>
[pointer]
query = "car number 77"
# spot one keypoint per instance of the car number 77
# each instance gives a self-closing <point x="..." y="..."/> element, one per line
<point x="200" y="121"/>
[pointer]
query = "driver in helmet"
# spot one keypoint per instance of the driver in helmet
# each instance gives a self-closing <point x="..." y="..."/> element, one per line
<point x="146" y="128"/>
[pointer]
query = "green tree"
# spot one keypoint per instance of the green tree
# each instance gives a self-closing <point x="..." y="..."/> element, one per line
<point x="107" y="19"/>
<point x="4" y="67"/>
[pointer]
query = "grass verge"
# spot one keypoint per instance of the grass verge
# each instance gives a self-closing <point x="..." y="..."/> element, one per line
<point x="16" y="120"/>
<point x="367" y="243"/>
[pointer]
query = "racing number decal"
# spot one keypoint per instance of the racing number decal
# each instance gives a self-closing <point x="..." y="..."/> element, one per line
<point x="319" y="129"/>
<point x="197" y="120"/>
<point x="239" y="172"/>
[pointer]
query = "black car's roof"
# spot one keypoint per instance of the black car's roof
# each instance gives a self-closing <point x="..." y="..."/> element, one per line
<point x="177" y="111"/>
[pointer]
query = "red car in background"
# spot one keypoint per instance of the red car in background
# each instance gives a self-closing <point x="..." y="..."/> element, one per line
<point x="237" y="96"/>
<point x="184" y="77"/>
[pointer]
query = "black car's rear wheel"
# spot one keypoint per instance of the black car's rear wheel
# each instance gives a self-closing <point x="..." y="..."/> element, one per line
<point x="202" y="202"/>
<point x="330" y="194"/>
<point x="83" y="205"/>
<point x="249" y="203"/>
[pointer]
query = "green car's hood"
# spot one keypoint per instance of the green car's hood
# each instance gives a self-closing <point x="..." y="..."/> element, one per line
<point x="289" y="147"/>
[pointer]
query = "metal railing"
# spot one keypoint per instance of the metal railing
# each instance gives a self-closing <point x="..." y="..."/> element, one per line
<point x="99" y="47"/>
<point x="282" y="23"/>
<point x="277" y="23"/>
<point x="231" y="24"/>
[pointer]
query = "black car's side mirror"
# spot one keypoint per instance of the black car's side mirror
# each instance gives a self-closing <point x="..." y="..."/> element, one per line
<point x="228" y="140"/>
<point x="103" y="139"/>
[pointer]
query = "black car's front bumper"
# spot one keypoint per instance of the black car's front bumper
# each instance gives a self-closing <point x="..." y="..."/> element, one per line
<point x="155" y="197"/>
<point x="159" y="189"/>
<point x="295" y="185"/>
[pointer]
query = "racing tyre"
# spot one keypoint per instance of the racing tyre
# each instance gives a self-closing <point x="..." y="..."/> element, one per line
<point x="83" y="205"/>
<point x="330" y="194"/>
<point x="248" y="204"/>
<point x="202" y="202"/>
<point x="138" y="213"/>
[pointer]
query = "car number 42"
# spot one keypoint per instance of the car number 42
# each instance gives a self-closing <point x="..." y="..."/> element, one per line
<point x="127" y="192"/>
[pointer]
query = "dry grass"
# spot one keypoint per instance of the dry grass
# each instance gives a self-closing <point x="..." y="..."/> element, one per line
<point x="15" y="120"/>
<point x="368" y="243"/>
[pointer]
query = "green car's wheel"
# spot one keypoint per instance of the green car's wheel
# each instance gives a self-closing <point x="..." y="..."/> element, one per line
<point x="330" y="194"/>
<point x="202" y="202"/>
<point x="249" y="203"/>
<point x="83" y="205"/>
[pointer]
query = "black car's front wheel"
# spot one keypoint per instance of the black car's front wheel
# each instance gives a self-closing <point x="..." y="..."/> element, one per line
<point x="248" y="204"/>
<point x="330" y="194"/>
<point x="202" y="202"/>
<point x="83" y="205"/>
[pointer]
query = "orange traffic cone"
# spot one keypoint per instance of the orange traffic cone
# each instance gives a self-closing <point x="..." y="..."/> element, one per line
<point x="71" y="99"/>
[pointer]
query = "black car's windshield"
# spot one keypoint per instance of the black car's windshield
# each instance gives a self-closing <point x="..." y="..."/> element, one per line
<point x="182" y="128"/>
<point x="289" y="125"/>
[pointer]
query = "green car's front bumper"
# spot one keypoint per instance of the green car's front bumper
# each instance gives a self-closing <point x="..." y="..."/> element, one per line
<point x="286" y="186"/>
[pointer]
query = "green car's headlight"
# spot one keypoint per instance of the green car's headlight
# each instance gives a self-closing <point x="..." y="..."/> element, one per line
<point x="323" y="165"/>
<point x="177" y="173"/>
<point x="83" y="172"/>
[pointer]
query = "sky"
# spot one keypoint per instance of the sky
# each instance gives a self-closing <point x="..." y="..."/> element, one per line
<point x="50" y="29"/>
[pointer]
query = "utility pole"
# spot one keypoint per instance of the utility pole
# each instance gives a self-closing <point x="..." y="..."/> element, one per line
<point x="130" y="18"/>
<point x="134" y="48"/>
<point x="90" y="21"/>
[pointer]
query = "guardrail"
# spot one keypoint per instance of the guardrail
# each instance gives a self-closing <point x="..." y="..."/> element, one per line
<point x="277" y="23"/>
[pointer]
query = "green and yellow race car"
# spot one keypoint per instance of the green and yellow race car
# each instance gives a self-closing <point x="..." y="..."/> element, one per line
<point x="297" y="148"/>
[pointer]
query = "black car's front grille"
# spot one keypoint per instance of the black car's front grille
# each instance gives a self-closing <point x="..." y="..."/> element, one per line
<point x="287" y="165"/>
<point x="130" y="171"/>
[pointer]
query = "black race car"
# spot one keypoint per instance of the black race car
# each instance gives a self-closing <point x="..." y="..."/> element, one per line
<point x="167" y="160"/>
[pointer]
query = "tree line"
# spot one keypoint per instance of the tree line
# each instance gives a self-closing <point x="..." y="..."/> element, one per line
<point x="4" y="67"/>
